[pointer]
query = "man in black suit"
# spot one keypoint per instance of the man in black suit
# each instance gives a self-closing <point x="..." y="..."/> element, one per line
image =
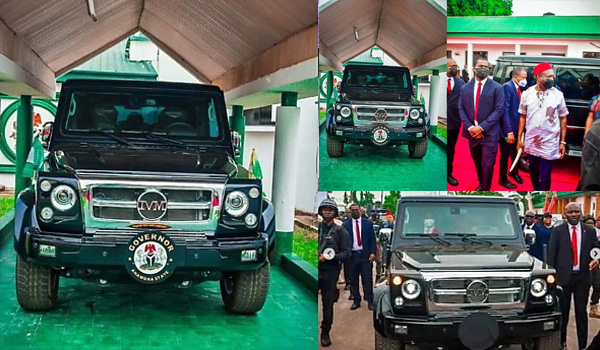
<point x="362" y="243"/>
<point x="453" y="87"/>
<point x="569" y="253"/>
<point x="465" y="75"/>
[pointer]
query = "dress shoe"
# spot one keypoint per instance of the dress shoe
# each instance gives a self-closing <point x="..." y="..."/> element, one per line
<point x="325" y="340"/>
<point x="517" y="178"/>
<point x="507" y="184"/>
<point x="370" y="306"/>
<point x="350" y="297"/>
<point x="478" y="188"/>
<point x="355" y="306"/>
<point x="452" y="181"/>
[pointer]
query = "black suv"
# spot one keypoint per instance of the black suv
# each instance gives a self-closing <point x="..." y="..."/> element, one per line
<point x="376" y="104"/>
<point x="574" y="77"/>
<point x="460" y="276"/>
<point x="139" y="184"/>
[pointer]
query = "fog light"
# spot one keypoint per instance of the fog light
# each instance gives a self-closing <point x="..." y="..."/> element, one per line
<point x="45" y="186"/>
<point x="420" y="120"/>
<point x="250" y="220"/>
<point x="400" y="329"/>
<point x="549" y="299"/>
<point x="338" y="118"/>
<point x="549" y="325"/>
<point x="398" y="302"/>
<point x="47" y="213"/>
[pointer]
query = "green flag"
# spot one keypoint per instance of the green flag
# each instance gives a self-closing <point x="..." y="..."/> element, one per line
<point x="255" y="165"/>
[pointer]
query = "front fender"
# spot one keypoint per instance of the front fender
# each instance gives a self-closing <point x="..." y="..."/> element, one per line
<point x="24" y="218"/>
<point x="381" y="306"/>
<point x="267" y="223"/>
<point x="329" y="120"/>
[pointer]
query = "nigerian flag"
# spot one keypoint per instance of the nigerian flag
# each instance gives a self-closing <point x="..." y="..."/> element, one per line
<point x="254" y="166"/>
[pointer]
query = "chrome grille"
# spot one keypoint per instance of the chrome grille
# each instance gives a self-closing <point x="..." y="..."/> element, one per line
<point x="500" y="291"/>
<point x="119" y="203"/>
<point x="394" y="114"/>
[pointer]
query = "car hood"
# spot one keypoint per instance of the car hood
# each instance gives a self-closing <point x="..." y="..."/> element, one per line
<point x="458" y="258"/>
<point x="145" y="159"/>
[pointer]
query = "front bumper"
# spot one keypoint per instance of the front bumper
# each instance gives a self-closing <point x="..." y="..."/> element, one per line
<point x="426" y="331"/>
<point x="106" y="252"/>
<point x="363" y="132"/>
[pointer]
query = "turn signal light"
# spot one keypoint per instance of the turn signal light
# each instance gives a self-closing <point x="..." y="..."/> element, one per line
<point x="396" y="280"/>
<point x="550" y="279"/>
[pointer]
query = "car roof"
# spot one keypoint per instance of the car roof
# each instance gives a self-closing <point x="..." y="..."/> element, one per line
<point x="138" y="84"/>
<point x="456" y="199"/>
<point x="355" y="66"/>
<point x="551" y="60"/>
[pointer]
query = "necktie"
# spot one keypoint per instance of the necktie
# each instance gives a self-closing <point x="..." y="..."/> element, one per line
<point x="357" y="229"/>
<point x="519" y="92"/>
<point x="477" y="101"/>
<point x="449" y="86"/>
<point x="574" y="246"/>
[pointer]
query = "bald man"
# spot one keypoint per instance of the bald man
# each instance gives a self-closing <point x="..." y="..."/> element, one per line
<point x="569" y="253"/>
<point x="453" y="87"/>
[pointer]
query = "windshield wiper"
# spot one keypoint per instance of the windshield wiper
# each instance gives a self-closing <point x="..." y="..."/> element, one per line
<point x="150" y="134"/>
<point x="113" y="136"/>
<point x="436" y="238"/>
<point x="470" y="238"/>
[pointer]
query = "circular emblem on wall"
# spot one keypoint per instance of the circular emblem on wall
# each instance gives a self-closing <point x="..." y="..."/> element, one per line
<point x="149" y="257"/>
<point x="477" y="292"/>
<point x="380" y="135"/>
<point x="380" y="115"/>
<point x="337" y="80"/>
<point x="152" y="205"/>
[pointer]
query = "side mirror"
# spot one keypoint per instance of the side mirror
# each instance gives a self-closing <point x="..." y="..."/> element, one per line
<point x="529" y="236"/>
<point x="46" y="134"/>
<point x="236" y="142"/>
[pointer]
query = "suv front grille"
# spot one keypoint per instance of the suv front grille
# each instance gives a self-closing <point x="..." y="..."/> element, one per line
<point x="394" y="114"/>
<point x="457" y="291"/>
<point x="121" y="203"/>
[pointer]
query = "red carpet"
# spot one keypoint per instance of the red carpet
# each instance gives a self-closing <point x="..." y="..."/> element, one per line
<point x="565" y="172"/>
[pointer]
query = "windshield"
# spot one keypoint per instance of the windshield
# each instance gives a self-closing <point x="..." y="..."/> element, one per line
<point x="142" y="112"/>
<point x="457" y="221"/>
<point x="377" y="77"/>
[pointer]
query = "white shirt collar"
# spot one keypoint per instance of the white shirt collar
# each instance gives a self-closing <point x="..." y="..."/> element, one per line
<point x="482" y="82"/>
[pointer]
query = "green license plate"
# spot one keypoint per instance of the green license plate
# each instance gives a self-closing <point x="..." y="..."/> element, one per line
<point x="249" y="255"/>
<point x="47" y="250"/>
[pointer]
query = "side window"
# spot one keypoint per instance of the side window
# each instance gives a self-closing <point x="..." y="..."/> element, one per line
<point x="577" y="83"/>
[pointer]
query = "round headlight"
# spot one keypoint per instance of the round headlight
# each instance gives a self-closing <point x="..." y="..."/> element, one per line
<point x="47" y="213"/>
<point x="45" y="186"/>
<point x="250" y="220"/>
<point x="411" y="289"/>
<point x="236" y="203"/>
<point x="254" y="192"/>
<point x="345" y="111"/>
<point x="539" y="287"/>
<point x="414" y="114"/>
<point x="398" y="302"/>
<point x="63" y="197"/>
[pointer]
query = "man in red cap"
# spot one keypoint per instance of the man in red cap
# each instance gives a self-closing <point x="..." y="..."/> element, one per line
<point x="543" y="114"/>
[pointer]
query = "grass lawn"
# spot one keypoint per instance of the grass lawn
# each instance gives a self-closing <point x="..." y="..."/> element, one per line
<point x="306" y="245"/>
<point x="442" y="132"/>
<point x="7" y="202"/>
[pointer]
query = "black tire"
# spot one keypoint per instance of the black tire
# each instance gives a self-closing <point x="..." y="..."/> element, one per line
<point x="551" y="341"/>
<point x="245" y="292"/>
<point x="417" y="149"/>
<point x="383" y="343"/>
<point x="37" y="286"/>
<point x="335" y="148"/>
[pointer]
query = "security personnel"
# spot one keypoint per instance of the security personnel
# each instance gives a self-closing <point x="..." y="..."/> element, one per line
<point x="334" y="248"/>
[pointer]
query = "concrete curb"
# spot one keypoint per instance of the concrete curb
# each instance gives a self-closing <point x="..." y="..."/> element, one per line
<point x="440" y="141"/>
<point x="7" y="223"/>
<point x="302" y="271"/>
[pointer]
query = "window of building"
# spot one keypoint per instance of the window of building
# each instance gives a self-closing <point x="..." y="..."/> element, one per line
<point x="512" y="53"/>
<point x="590" y="54"/>
<point x="259" y="116"/>
<point x="448" y="53"/>
<point x="553" y="54"/>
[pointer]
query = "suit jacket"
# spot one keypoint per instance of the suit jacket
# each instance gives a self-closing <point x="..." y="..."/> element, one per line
<point x="367" y="236"/>
<point x="465" y="76"/>
<point x="510" y="122"/>
<point x="560" y="254"/>
<point x="491" y="108"/>
<point x="452" y="102"/>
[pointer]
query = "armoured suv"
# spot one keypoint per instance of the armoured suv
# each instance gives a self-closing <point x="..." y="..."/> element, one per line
<point x="139" y="185"/>
<point x="459" y="276"/>
<point x="376" y="105"/>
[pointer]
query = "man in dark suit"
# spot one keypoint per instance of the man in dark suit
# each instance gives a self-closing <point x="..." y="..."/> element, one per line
<point x="510" y="126"/>
<point x="453" y="87"/>
<point x="465" y="75"/>
<point x="481" y="106"/>
<point x="569" y="253"/>
<point x="362" y="243"/>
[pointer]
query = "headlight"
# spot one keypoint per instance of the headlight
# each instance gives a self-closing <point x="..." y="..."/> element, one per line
<point x="63" y="197"/>
<point x="414" y="114"/>
<point x="411" y="289"/>
<point x="539" y="287"/>
<point x="45" y="186"/>
<point x="345" y="111"/>
<point x="236" y="203"/>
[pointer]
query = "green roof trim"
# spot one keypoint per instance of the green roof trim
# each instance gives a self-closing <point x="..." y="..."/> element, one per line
<point x="562" y="27"/>
<point x="365" y="58"/>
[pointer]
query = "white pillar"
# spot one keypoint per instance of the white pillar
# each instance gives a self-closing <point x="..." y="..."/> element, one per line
<point x="284" y="175"/>
<point x="470" y="59"/>
<point x="518" y="49"/>
<point x="434" y="93"/>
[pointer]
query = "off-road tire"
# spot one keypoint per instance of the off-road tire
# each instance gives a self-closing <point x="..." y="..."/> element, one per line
<point x="417" y="149"/>
<point x="383" y="343"/>
<point x="245" y="292"/>
<point x="335" y="148"/>
<point x="37" y="286"/>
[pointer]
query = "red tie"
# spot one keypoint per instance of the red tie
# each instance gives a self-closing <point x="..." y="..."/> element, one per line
<point x="519" y="91"/>
<point x="357" y="229"/>
<point x="477" y="101"/>
<point x="449" y="86"/>
<point x="574" y="246"/>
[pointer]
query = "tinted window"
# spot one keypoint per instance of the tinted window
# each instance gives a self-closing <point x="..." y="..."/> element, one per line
<point x="377" y="77"/>
<point x="578" y="83"/>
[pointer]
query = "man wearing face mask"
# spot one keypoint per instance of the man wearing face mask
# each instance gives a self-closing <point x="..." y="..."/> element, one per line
<point x="543" y="114"/>
<point x="364" y="250"/>
<point x="510" y="126"/>
<point x="454" y="85"/>
<point x="481" y="106"/>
